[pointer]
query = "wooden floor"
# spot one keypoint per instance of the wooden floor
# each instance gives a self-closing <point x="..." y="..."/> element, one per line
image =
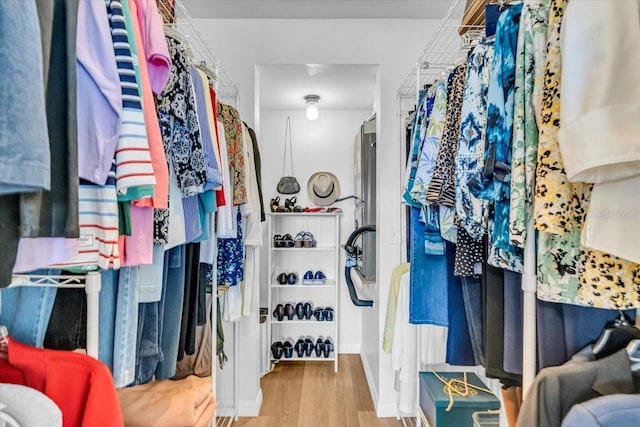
<point x="310" y="394"/>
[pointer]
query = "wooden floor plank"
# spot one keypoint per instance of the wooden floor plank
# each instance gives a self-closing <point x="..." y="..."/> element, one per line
<point x="309" y="394"/>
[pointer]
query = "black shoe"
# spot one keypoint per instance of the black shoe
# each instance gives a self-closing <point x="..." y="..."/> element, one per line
<point x="308" y="347"/>
<point x="276" y="350"/>
<point x="289" y="311"/>
<point x="308" y="310"/>
<point x="328" y="314"/>
<point x="300" y="311"/>
<point x="278" y="312"/>
<point x="328" y="348"/>
<point x="282" y="278"/>
<point x="288" y="350"/>
<point x="319" y="347"/>
<point x="292" y="278"/>
<point x="318" y="313"/>
<point x="300" y="347"/>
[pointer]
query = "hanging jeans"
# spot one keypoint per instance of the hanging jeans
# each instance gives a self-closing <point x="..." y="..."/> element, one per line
<point x="26" y="311"/>
<point x="173" y="285"/>
<point x="428" y="279"/>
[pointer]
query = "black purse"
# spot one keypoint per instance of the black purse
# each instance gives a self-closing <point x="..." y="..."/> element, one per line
<point x="288" y="184"/>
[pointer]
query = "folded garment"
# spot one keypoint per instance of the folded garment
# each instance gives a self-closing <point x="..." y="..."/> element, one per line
<point x="206" y="416"/>
<point x="168" y="403"/>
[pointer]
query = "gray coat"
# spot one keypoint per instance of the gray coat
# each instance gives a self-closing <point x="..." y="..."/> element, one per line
<point x="556" y="389"/>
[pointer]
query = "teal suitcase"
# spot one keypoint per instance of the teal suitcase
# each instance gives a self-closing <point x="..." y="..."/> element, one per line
<point x="434" y="400"/>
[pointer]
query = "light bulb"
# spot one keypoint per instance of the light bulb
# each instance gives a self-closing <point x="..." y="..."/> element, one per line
<point x="312" y="106"/>
<point x="312" y="110"/>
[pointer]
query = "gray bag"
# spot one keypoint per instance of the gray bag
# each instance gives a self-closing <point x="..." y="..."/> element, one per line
<point x="288" y="184"/>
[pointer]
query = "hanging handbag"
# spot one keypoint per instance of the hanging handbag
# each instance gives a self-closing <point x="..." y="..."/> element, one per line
<point x="288" y="184"/>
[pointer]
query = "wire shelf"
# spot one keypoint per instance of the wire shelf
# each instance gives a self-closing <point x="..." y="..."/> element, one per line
<point x="445" y="48"/>
<point x="176" y="16"/>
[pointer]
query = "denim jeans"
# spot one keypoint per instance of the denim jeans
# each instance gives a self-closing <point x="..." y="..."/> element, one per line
<point x="150" y="277"/>
<point x="126" y="327"/>
<point x="107" y="318"/>
<point x="428" y="279"/>
<point x="172" y="312"/>
<point x="472" y="296"/>
<point x="150" y="327"/>
<point x="26" y="311"/>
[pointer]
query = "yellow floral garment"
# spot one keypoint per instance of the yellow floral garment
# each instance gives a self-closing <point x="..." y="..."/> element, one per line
<point x="566" y="272"/>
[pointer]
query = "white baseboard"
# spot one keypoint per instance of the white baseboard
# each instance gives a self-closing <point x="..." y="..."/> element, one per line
<point x="349" y="348"/>
<point x="246" y="408"/>
<point x="370" y="380"/>
<point x="386" y="410"/>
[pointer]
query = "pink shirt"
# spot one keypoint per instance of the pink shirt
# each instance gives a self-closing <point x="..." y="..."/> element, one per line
<point x="155" y="44"/>
<point x="156" y="147"/>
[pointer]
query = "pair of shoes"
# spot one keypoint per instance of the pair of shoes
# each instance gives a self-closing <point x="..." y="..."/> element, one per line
<point x="291" y="205"/>
<point x="310" y="278"/>
<point x="323" y="210"/>
<point x="285" y="241"/>
<point x="323" y="348"/>
<point x="281" y="311"/>
<point x="304" y="311"/>
<point x="304" y="347"/>
<point x="279" y="349"/>
<point x="304" y="239"/>
<point x="287" y="279"/>
<point x="322" y="314"/>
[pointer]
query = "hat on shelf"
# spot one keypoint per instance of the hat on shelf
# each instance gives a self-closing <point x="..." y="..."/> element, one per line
<point x="323" y="188"/>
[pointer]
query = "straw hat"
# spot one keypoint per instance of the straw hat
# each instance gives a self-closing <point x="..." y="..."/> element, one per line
<point x="323" y="188"/>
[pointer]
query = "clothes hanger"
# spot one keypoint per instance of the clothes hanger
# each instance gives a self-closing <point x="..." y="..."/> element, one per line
<point x="4" y="342"/>
<point x="633" y="350"/>
<point x="615" y="336"/>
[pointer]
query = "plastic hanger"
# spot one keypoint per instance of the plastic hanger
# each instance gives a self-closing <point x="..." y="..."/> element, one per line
<point x="615" y="336"/>
<point x="633" y="350"/>
<point x="4" y="342"/>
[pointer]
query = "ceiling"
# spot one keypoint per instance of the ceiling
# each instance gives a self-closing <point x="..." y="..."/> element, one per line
<point x="318" y="9"/>
<point x="340" y="87"/>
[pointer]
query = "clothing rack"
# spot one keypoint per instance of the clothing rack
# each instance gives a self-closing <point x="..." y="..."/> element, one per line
<point x="184" y="24"/>
<point x="447" y="47"/>
<point x="91" y="283"/>
<point x="444" y="49"/>
<point x="204" y="59"/>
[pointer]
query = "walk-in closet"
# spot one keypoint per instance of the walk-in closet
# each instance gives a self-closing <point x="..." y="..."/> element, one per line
<point x="319" y="213"/>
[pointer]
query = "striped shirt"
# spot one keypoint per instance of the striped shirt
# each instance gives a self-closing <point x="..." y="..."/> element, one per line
<point x="134" y="171"/>
<point x="98" y="242"/>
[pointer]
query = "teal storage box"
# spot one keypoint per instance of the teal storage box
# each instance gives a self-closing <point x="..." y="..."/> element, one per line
<point x="434" y="400"/>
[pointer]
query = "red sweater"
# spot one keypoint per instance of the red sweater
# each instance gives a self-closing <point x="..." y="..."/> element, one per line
<point x="80" y="385"/>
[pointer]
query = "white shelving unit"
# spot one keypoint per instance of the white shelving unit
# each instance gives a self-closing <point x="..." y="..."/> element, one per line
<point x="325" y="228"/>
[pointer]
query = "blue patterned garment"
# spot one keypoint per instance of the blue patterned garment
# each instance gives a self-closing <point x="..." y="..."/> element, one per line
<point x="493" y="182"/>
<point x="430" y="145"/>
<point x="231" y="258"/>
<point x="472" y="212"/>
<point x="419" y="132"/>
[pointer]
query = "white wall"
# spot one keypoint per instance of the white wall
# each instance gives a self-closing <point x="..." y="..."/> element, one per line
<point x="394" y="45"/>
<point x="325" y="144"/>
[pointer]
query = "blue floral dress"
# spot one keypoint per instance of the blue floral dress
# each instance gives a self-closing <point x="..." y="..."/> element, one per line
<point x="493" y="182"/>
<point x="471" y="211"/>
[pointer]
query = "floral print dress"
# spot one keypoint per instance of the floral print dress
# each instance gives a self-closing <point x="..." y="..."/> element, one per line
<point x="471" y="211"/>
<point x="492" y="182"/>
<point x="530" y="62"/>
<point x="567" y="273"/>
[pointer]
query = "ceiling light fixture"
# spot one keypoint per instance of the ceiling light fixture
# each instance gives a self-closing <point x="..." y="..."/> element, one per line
<point x="312" y="106"/>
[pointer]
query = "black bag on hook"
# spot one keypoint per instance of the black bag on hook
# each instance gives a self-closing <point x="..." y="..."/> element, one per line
<point x="288" y="184"/>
